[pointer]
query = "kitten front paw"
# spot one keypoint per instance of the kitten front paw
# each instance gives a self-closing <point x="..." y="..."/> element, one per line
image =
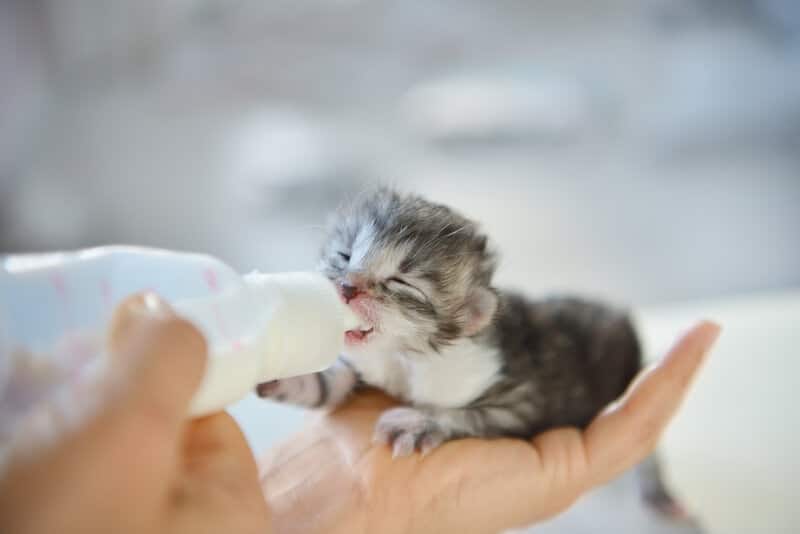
<point x="303" y="390"/>
<point x="407" y="430"/>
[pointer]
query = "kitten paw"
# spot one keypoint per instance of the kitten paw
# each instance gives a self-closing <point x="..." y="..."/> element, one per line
<point x="407" y="430"/>
<point x="304" y="390"/>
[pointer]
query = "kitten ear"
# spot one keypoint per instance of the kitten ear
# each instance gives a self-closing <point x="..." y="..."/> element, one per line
<point x="481" y="305"/>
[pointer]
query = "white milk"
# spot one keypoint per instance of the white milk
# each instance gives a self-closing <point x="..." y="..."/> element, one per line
<point x="259" y="327"/>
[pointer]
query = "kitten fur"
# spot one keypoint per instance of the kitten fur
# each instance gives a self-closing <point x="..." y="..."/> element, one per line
<point x="468" y="359"/>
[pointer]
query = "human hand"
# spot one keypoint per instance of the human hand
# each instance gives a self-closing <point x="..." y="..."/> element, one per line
<point x="331" y="478"/>
<point x="139" y="465"/>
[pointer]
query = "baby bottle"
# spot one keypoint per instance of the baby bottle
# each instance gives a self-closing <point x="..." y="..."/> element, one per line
<point x="258" y="327"/>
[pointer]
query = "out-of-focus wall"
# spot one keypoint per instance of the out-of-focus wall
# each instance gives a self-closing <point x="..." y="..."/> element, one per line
<point x="644" y="151"/>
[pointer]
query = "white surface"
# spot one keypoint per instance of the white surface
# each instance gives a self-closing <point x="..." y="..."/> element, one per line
<point x="731" y="453"/>
<point x="616" y="508"/>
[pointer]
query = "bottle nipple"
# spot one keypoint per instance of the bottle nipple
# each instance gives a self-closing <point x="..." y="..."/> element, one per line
<point x="351" y="320"/>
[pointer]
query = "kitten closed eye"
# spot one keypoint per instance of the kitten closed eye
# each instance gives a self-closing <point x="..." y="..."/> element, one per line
<point x="472" y="360"/>
<point x="395" y="281"/>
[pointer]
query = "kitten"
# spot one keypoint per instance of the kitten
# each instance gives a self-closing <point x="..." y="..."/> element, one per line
<point x="470" y="360"/>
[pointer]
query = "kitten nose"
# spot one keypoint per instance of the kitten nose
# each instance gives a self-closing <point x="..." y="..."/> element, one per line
<point x="349" y="291"/>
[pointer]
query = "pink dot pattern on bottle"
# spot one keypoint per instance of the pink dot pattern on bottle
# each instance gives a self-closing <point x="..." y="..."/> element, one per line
<point x="212" y="281"/>
<point x="60" y="286"/>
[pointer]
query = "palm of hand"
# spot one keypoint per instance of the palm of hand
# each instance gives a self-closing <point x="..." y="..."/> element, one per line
<point x="359" y="486"/>
<point x="333" y="478"/>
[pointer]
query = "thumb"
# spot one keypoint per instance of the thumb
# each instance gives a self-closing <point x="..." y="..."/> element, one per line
<point x="162" y="357"/>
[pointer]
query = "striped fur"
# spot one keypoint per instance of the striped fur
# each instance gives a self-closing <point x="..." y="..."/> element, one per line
<point x="471" y="360"/>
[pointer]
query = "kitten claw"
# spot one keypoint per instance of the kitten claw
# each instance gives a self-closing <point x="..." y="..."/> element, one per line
<point x="429" y="442"/>
<point x="403" y="446"/>
<point x="407" y="430"/>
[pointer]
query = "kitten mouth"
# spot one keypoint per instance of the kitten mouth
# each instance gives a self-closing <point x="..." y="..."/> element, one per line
<point x="357" y="336"/>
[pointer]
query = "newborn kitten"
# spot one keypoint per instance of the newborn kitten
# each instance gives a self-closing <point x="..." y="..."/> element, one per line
<point x="469" y="359"/>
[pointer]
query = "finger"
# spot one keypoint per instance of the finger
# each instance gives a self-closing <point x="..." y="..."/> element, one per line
<point x="162" y="357"/>
<point x="217" y="461"/>
<point x="215" y="447"/>
<point x="627" y="431"/>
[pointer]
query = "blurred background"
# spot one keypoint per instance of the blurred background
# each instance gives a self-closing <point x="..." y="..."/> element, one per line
<point x="645" y="151"/>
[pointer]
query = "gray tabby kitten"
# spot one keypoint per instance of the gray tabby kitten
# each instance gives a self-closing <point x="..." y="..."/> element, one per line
<point x="470" y="360"/>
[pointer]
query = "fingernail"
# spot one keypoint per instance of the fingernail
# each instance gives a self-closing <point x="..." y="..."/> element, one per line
<point x="712" y="332"/>
<point x="148" y="304"/>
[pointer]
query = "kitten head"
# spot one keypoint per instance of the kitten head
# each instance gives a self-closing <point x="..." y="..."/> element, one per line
<point x="416" y="272"/>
